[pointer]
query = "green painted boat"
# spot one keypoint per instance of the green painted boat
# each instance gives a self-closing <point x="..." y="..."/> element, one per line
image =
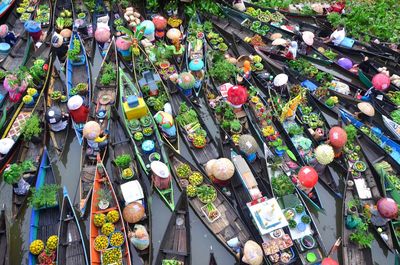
<point x="136" y="120"/>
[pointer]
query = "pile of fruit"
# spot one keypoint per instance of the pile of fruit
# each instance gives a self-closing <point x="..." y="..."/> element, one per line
<point x="52" y="242"/>
<point x="107" y="229"/>
<point x="100" y="243"/>
<point x="99" y="219"/>
<point x="113" y="216"/>
<point x="196" y="178"/>
<point x="171" y="262"/>
<point x="117" y="239"/>
<point x="36" y="247"/>
<point x="112" y="256"/>
<point x="206" y="193"/>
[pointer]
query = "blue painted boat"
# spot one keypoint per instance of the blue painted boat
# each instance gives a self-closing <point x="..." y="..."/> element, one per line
<point x="390" y="146"/>
<point x="78" y="72"/>
<point x="44" y="220"/>
<point x="71" y="247"/>
<point x="5" y="6"/>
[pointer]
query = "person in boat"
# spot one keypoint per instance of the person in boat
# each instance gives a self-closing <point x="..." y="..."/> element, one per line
<point x="337" y="36"/>
<point x="77" y="109"/>
<point x="57" y="119"/>
<point x="306" y="40"/>
<point x="57" y="41"/>
<point x="291" y="52"/>
<point x="7" y="36"/>
<point x="366" y="112"/>
<point x="99" y="142"/>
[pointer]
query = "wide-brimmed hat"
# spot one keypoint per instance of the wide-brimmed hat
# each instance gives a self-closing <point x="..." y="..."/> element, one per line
<point x="308" y="37"/>
<point x="366" y="108"/>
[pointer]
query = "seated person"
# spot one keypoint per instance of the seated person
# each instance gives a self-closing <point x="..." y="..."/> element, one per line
<point x="337" y="36"/>
<point x="7" y="36"/>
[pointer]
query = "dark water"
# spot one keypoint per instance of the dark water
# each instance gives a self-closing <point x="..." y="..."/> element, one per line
<point x="67" y="172"/>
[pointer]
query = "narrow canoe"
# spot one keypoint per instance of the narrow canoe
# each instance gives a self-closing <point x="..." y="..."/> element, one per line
<point x="57" y="85"/>
<point x="71" y="246"/>
<point x="135" y="125"/>
<point x="102" y="182"/>
<point x="175" y="244"/>
<point x="76" y="74"/>
<point x="229" y="225"/>
<point x="44" y="221"/>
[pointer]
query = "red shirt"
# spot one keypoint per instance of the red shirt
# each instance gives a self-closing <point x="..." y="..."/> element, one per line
<point x="79" y="115"/>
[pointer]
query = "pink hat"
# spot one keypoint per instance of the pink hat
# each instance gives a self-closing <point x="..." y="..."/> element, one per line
<point x="3" y="30"/>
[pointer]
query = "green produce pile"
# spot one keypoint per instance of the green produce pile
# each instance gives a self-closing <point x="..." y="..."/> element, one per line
<point x="363" y="19"/>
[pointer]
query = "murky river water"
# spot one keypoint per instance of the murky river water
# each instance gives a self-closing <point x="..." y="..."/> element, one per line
<point x="67" y="173"/>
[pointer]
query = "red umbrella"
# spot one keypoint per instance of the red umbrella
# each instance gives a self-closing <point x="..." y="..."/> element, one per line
<point x="237" y="95"/>
<point x="381" y="82"/>
<point x="337" y="137"/>
<point x="387" y="208"/>
<point x="308" y="177"/>
<point x="329" y="261"/>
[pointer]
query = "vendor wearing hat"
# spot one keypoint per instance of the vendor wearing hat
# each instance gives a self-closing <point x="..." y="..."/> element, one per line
<point x="365" y="113"/>
<point x="57" y="120"/>
<point x="291" y="52"/>
<point x="308" y="41"/>
<point x="7" y="36"/>
<point x="57" y="41"/>
<point x="79" y="112"/>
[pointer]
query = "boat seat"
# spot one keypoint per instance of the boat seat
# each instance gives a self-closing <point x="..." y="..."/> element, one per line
<point x="168" y="251"/>
<point x="68" y="219"/>
<point x="120" y="142"/>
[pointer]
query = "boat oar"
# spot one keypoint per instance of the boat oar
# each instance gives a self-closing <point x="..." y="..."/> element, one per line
<point x="335" y="246"/>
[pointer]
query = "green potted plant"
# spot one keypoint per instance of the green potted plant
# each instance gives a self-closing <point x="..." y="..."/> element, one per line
<point x="82" y="88"/>
<point x="138" y="136"/>
<point x="146" y="121"/>
<point x="82" y="15"/>
<point x="104" y="197"/>
<point x="199" y="141"/>
<point x="109" y="74"/>
<point x="55" y="96"/>
<point x="236" y="126"/>
<point x="28" y="101"/>
<point x="74" y="53"/>
<point x="127" y="173"/>
<point x="123" y="161"/>
<point x="44" y="197"/>
<point x="32" y="129"/>
<point x="282" y="185"/>
<point x="331" y="101"/>
<point x="362" y="237"/>
<point x="292" y="224"/>
<point x="306" y="219"/>
<point x="134" y="125"/>
<point x="12" y="175"/>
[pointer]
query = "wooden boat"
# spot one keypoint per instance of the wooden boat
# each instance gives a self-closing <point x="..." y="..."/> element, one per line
<point x="44" y="15"/>
<point x="386" y="172"/>
<point x="77" y="73"/>
<point x="175" y="244"/>
<point x="33" y="152"/>
<point x="131" y="189"/>
<point x="57" y="86"/>
<point x="5" y="7"/>
<point x="153" y="89"/>
<point x="85" y="31"/>
<point x="19" y="52"/>
<point x="351" y="252"/>
<point x="290" y="201"/>
<point x="71" y="246"/>
<point x="181" y="104"/>
<point x="4" y="237"/>
<point x="103" y="183"/>
<point x="44" y="221"/>
<point x="100" y="12"/>
<point x="391" y="147"/>
<point x="196" y="49"/>
<point x="135" y="119"/>
<point x="290" y="160"/>
<point x="362" y="189"/>
<point x="86" y="178"/>
<point x="65" y="11"/>
<point x="229" y="225"/>
<point x="105" y="91"/>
